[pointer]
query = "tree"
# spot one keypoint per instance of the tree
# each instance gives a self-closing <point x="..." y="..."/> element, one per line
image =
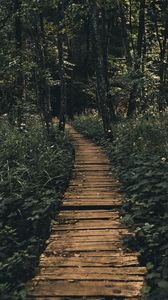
<point x="101" y="65"/>
<point x="62" y="75"/>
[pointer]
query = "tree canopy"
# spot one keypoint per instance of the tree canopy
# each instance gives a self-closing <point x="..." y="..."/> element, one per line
<point x="66" y="57"/>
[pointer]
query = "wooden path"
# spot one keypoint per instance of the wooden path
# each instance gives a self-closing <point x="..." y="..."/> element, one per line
<point x="84" y="258"/>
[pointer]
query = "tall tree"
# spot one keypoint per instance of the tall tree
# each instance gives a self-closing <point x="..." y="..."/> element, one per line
<point x="138" y="60"/>
<point x="62" y="75"/>
<point x="162" y="38"/>
<point x="19" y="76"/>
<point x="101" y="66"/>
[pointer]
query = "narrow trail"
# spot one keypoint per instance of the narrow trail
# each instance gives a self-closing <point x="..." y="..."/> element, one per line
<point x="85" y="258"/>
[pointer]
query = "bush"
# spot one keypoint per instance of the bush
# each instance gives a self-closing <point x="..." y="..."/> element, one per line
<point x="90" y="126"/>
<point x="139" y="155"/>
<point x="34" y="172"/>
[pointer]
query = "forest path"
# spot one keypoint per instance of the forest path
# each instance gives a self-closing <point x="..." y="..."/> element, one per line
<point x="85" y="258"/>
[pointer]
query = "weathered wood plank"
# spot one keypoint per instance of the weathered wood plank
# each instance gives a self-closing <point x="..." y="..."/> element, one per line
<point x="85" y="240"/>
<point x="87" y="276"/>
<point x="99" y="254"/>
<point x="84" y="246"/>
<point x="91" y="224"/>
<point x="120" y="254"/>
<point x="86" y="288"/>
<point x="93" y="203"/>
<point x="68" y="298"/>
<point x="94" y="270"/>
<point x="93" y="195"/>
<point x="91" y="214"/>
<point x="90" y="232"/>
<point x="80" y="261"/>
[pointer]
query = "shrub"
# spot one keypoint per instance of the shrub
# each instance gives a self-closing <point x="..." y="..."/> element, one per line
<point x="34" y="172"/>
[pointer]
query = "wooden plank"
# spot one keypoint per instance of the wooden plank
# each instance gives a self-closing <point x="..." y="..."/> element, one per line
<point x="106" y="213"/>
<point x="75" y="298"/>
<point x="100" y="254"/>
<point x="85" y="226"/>
<point x="94" y="270"/>
<point x="95" y="163"/>
<point x="93" y="186"/>
<point x="93" y="199"/>
<point x="93" y="223"/>
<point x="84" y="246"/>
<point x="90" y="215"/>
<point x="67" y="298"/>
<point x="92" y="180"/>
<point x="83" y="239"/>
<point x="120" y="253"/>
<point x="91" y="161"/>
<point x="87" y="261"/>
<point x="93" y="195"/>
<point x="86" y="276"/>
<point x="86" y="288"/>
<point x="90" y="232"/>
<point x="94" y="173"/>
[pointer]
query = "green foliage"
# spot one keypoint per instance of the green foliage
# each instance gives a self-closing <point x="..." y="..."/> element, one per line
<point x="90" y="126"/>
<point x="139" y="156"/>
<point x="34" y="172"/>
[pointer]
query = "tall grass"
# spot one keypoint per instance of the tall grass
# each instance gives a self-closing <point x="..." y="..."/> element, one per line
<point x="34" y="172"/>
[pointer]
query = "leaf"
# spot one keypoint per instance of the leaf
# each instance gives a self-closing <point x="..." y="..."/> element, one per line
<point x="163" y="284"/>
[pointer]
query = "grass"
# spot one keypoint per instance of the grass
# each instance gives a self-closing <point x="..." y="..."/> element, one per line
<point x="34" y="173"/>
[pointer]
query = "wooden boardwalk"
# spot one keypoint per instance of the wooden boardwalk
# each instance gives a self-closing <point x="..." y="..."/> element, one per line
<point x="84" y="258"/>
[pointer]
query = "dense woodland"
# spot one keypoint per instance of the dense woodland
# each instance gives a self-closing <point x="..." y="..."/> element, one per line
<point x="107" y="58"/>
<point x="64" y="57"/>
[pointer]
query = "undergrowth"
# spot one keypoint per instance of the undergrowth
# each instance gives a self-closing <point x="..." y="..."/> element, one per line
<point x="34" y="172"/>
<point x="139" y="155"/>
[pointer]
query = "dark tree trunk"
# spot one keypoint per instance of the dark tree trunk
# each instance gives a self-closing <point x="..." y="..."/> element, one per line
<point x="104" y="47"/>
<point x="125" y="36"/>
<point x="162" y="55"/>
<point x="45" y="89"/>
<point x="87" y="46"/>
<point x="162" y="70"/>
<point x="101" y="75"/>
<point x="141" y="29"/>
<point x="42" y="89"/>
<point x="138" y="61"/>
<point x="131" y="27"/>
<point x="63" y="97"/>
<point x="63" y="104"/>
<point x="19" y="85"/>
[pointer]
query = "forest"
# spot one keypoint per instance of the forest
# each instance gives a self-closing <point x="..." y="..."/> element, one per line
<point x="101" y="66"/>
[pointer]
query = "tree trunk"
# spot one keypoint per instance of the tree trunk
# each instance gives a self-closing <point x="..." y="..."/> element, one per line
<point x="101" y="76"/>
<point x="63" y="97"/>
<point x="38" y="37"/>
<point x="45" y="89"/>
<point x="138" y="60"/>
<point x="62" y="116"/>
<point x="104" y="47"/>
<point x="125" y="37"/>
<point x="19" y="83"/>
